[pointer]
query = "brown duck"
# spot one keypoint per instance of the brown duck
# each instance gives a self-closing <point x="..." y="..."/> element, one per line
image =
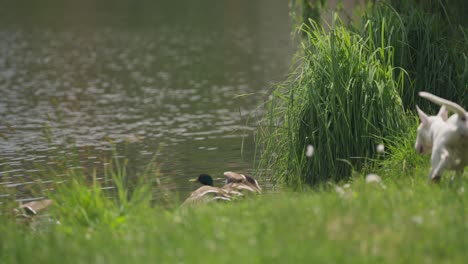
<point x="236" y="185"/>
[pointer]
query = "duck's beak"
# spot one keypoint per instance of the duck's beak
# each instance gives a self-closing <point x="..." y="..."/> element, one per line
<point x="192" y="180"/>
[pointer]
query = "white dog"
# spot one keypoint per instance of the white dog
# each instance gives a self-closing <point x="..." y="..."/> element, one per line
<point x="446" y="137"/>
<point x="424" y="133"/>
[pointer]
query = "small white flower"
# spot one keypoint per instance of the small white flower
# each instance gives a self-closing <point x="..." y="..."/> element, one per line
<point x="371" y="178"/>
<point x="347" y="186"/>
<point x="339" y="190"/>
<point x="461" y="190"/>
<point x="380" y="148"/>
<point x="417" y="219"/>
<point x="310" y="151"/>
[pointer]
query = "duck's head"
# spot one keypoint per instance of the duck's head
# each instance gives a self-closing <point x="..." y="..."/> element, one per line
<point x="205" y="179"/>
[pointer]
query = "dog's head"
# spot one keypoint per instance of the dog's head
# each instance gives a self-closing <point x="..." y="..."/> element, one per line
<point x="424" y="134"/>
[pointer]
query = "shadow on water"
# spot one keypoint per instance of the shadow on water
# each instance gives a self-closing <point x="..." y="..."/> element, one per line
<point x="149" y="73"/>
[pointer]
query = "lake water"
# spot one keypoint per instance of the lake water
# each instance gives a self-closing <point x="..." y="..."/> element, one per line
<point x="186" y="77"/>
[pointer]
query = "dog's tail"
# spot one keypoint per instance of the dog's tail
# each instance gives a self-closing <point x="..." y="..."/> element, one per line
<point x="441" y="101"/>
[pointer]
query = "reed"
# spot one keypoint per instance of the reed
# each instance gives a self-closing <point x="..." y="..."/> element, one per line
<point x="342" y="99"/>
<point x="429" y="45"/>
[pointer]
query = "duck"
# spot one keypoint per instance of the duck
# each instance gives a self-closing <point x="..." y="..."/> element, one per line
<point x="32" y="208"/>
<point x="207" y="192"/>
<point x="241" y="182"/>
<point x="236" y="185"/>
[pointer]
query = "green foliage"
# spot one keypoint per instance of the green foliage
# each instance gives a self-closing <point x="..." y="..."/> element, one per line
<point x="453" y="12"/>
<point x="427" y="46"/>
<point x="82" y="200"/>
<point x="76" y="203"/>
<point x="343" y="98"/>
<point x="400" y="158"/>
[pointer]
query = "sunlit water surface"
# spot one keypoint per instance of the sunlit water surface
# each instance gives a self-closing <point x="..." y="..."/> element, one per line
<point x="185" y="79"/>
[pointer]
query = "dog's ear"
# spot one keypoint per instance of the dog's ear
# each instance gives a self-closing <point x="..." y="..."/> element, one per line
<point x="422" y="116"/>
<point x="443" y="113"/>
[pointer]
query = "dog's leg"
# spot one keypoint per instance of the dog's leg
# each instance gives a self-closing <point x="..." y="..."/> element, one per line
<point x="438" y="163"/>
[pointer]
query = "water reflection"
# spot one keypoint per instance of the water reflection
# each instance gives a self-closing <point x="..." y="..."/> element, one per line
<point x="148" y="73"/>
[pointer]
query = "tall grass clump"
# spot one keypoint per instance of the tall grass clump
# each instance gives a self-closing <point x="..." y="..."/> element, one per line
<point x="343" y="99"/>
<point x="83" y="200"/>
<point x="429" y="45"/>
<point x="107" y="197"/>
<point x="402" y="159"/>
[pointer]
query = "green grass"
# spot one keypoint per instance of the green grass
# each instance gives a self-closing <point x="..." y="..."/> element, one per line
<point x="402" y="220"/>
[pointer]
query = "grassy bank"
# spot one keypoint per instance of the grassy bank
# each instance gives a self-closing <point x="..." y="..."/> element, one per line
<point x="401" y="220"/>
